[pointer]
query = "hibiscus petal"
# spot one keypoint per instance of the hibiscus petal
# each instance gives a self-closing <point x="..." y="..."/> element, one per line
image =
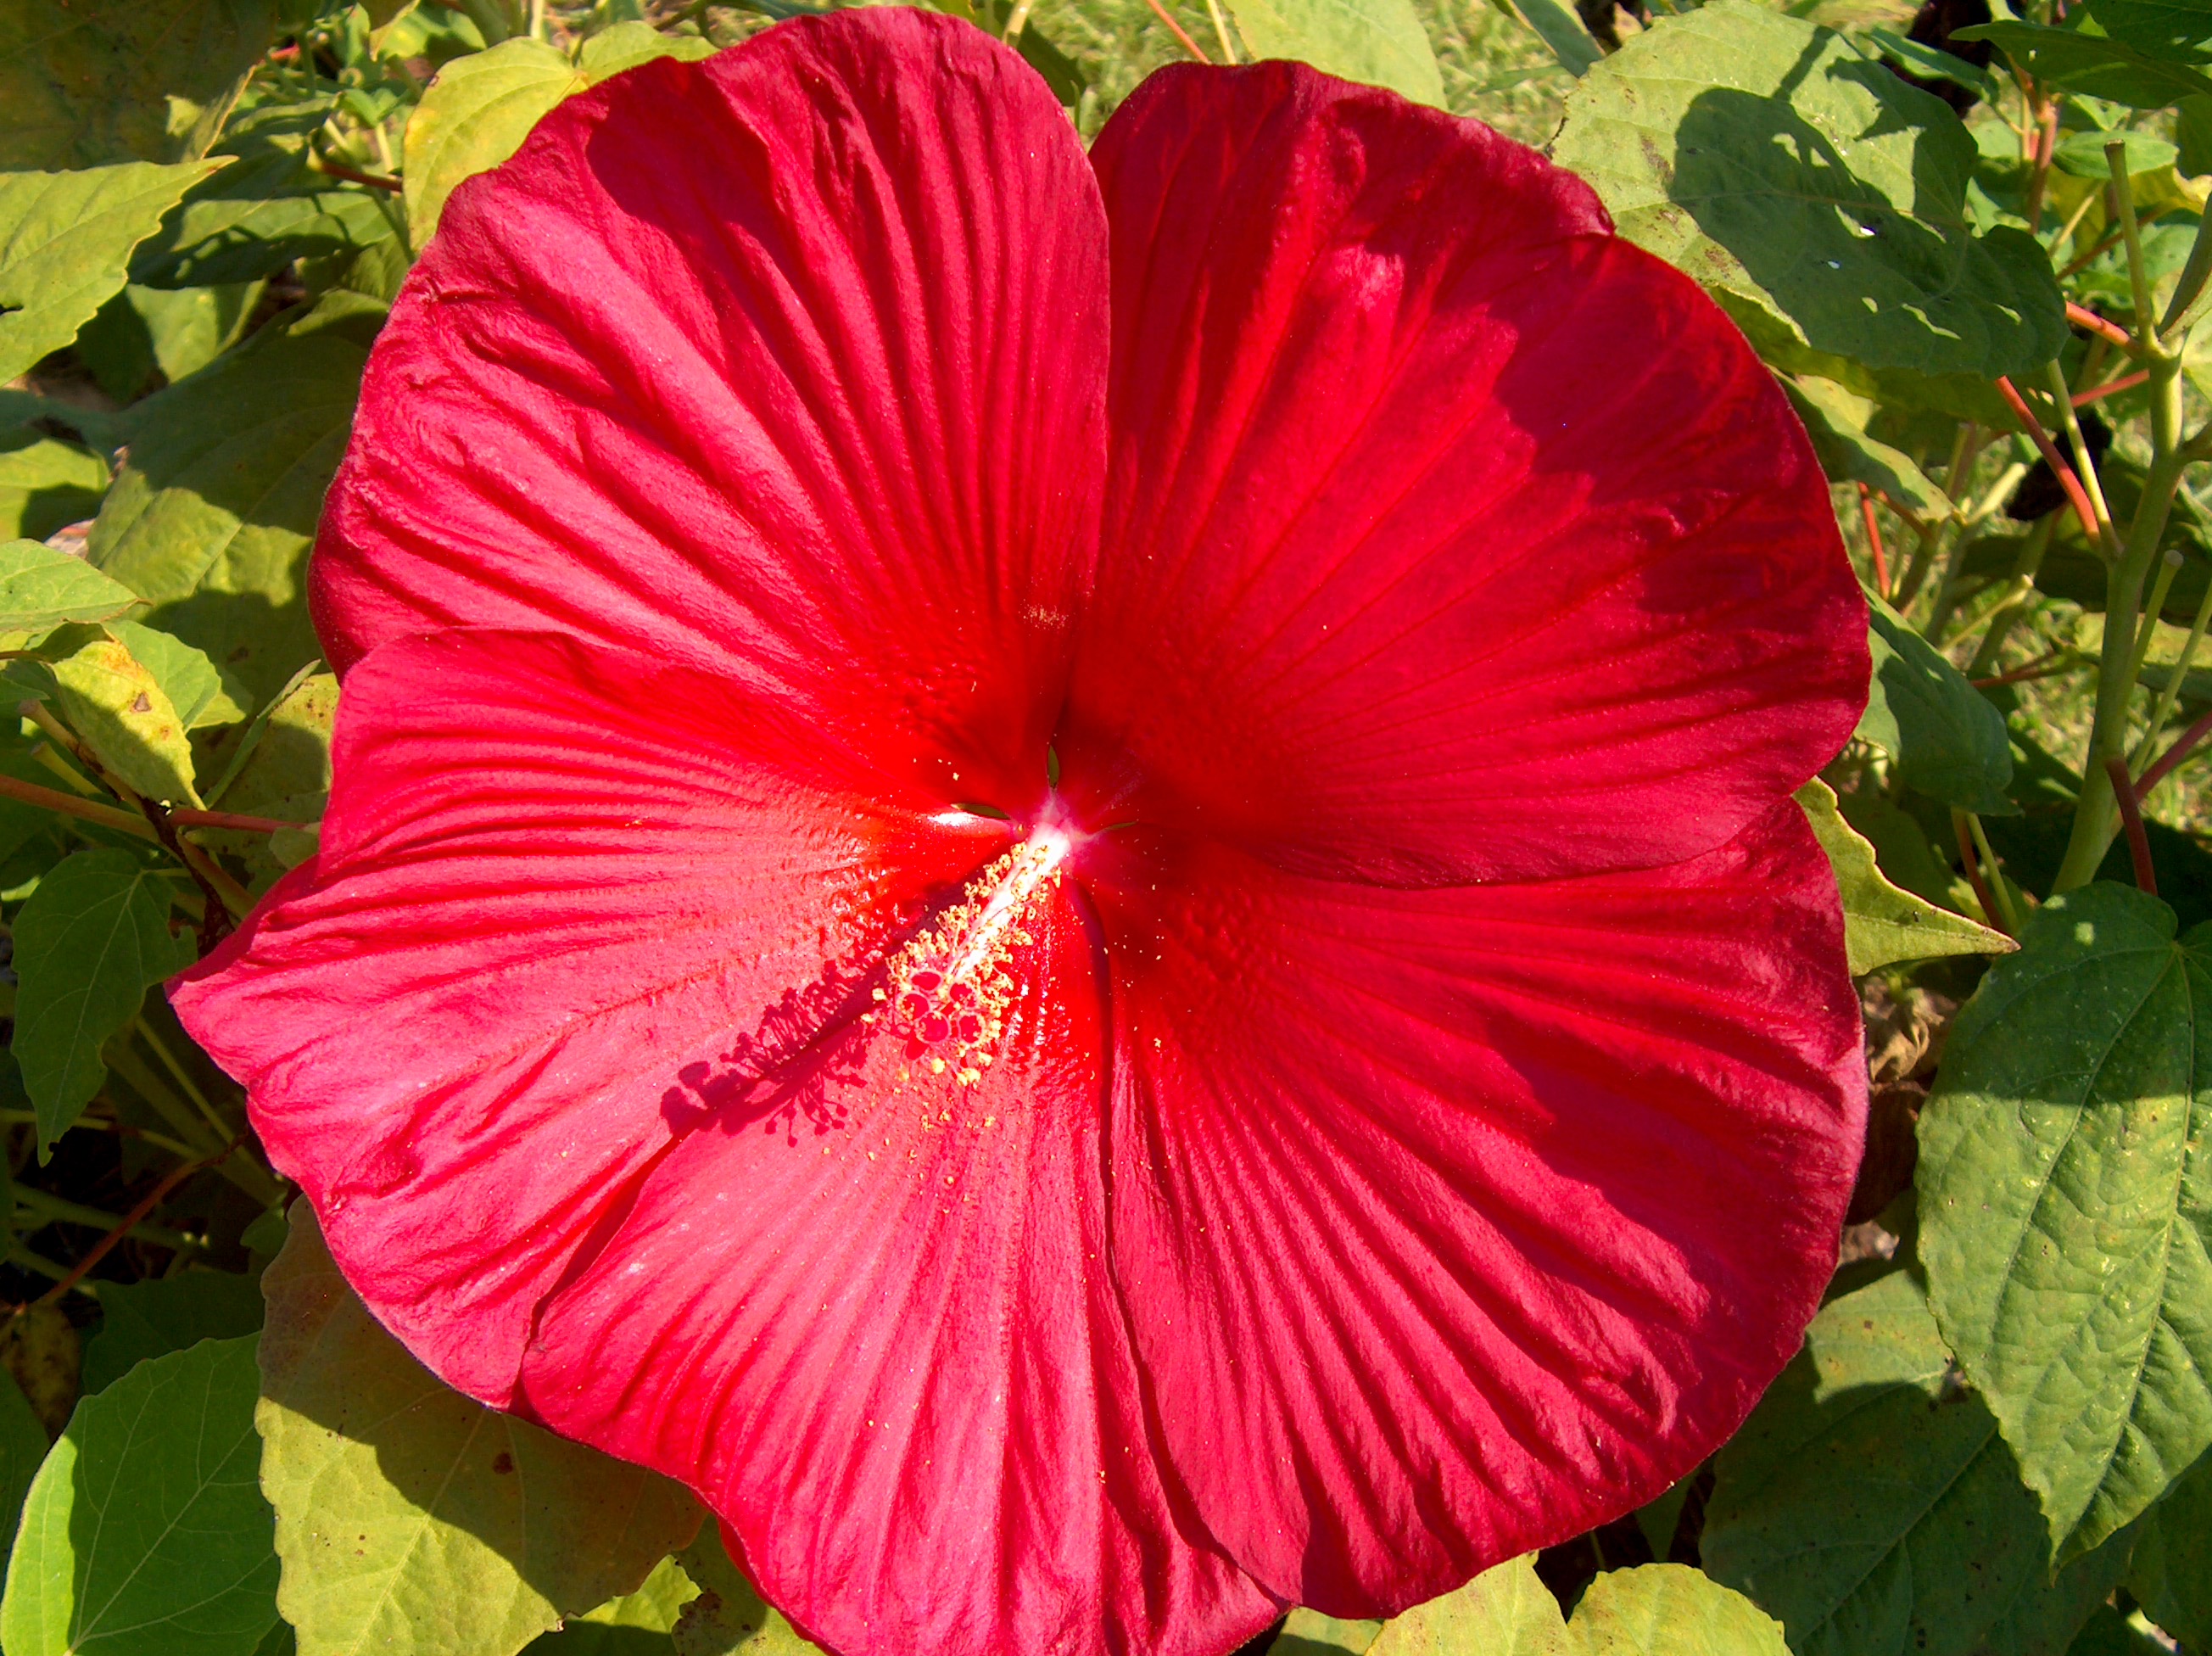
<point x="1446" y="537"/>
<point x="558" y="888"/>
<point x="790" y="363"/>
<point x="889" y="1354"/>
<point x="1453" y="1222"/>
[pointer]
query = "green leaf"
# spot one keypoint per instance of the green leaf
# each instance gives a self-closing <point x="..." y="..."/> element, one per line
<point x="472" y="1531"/>
<point x="1870" y="1504"/>
<point x="179" y="331"/>
<point x="145" y="1533"/>
<point x="22" y="1447"/>
<point x="118" y="708"/>
<point x="2085" y="63"/>
<point x="1836" y="420"/>
<point x="625" y="46"/>
<point x="187" y="677"/>
<point x="1505" y="1611"/>
<point x="265" y="210"/>
<point x="213" y="513"/>
<point x="83" y="82"/>
<point x="1933" y="64"/>
<point x="2065" y="1210"/>
<point x="41" y="588"/>
<point x="1378" y="41"/>
<point x="1669" y="1610"/>
<point x="1309" y="1633"/>
<point x="46" y="485"/>
<point x="143" y="1320"/>
<point x="476" y="114"/>
<point x="1945" y="735"/>
<point x="1821" y="199"/>
<point x="2170" y="1574"/>
<point x="729" y="1617"/>
<point x="90" y="942"/>
<point x="66" y="243"/>
<point x="282" y="771"/>
<point x="635" y="1624"/>
<point x="2082" y="154"/>
<point x="1883" y="924"/>
<point x="2173" y="29"/>
<point x="1562" y="31"/>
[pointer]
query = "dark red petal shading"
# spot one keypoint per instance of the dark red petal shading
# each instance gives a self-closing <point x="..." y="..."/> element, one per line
<point x="891" y="1356"/>
<point x="789" y="363"/>
<point x="1446" y="537"/>
<point x="1453" y="1222"/>
<point x="554" y="883"/>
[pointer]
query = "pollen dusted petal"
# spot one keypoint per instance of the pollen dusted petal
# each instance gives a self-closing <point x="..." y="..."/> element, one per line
<point x="1447" y="536"/>
<point x="554" y="883"/>
<point x="889" y="1351"/>
<point x="790" y="363"/>
<point x="1454" y="1222"/>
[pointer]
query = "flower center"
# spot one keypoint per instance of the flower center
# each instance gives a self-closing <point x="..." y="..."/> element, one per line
<point x="950" y="989"/>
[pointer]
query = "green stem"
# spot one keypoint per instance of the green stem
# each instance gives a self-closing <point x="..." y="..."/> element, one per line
<point x="72" y="1213"/>
<point x="2096" y="816"/>
<point x="2018" y="592"/>
<point x="2162" y="709"/>
<point x="241" y="1170"/>
<point x="223" y="1130"/>
<point x="2124" y="198"/>
<point x="2191" y="285"/>
<point x="2085" y="464"/>
<point x="2169" y="565"/>
<point x="1999" y="887"/>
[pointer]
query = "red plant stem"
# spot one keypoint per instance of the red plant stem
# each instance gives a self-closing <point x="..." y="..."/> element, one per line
<point x="2082" y="316"/>
<point x="68" y="804"/>
<point x="2184" y="745"/>
<point x="375" y="180"/>
<point x="2075" y="495"/>
<point x="152" y="1200"/>
<point x="1971" y="860"/>
<point x="1176" y="29"/>
<point x="2040" y="668"/>
<point x="1874" y="540"/>
<point x="229" y="820"/>
<point x="2132" y="819"/>
<point x="2110" y="388"/>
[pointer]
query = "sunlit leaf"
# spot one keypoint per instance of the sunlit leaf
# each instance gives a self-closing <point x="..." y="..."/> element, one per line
<point x="145" y="1533"/>
<point x="472" y="1531"/>
<point x="83" y="82"/>
<point x="46" y="485"/>
<point x="1821" y="198"/>
<point x="265" y="210"/>
<point x="41" y="589"/>
<point x="1669" y="1610"/>
<point x="1882" y="922"/>
<point x="2066" y="1217"/>
<point x="632" y="1625"/>
<point x="1836" y="420"/>
<point x="1379" y="41"/>
<point x="212" y="515"/>
<point x="88" y="943"/>
<point x="65" y="244"/>
<point x="1505" y="1611"/>
<point x="118" y="708"/>
<point x="475" y="115"/>
<point x="1870" y="1504"/>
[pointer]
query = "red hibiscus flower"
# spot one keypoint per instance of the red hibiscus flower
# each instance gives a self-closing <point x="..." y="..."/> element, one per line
<point x="1071" y="875"/>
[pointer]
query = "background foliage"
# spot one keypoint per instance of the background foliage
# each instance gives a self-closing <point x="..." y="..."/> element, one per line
<point x="1969" y="245"/>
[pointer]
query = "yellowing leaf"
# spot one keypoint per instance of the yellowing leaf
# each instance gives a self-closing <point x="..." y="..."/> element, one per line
<point x="476" y="114"/>
<point x="1884" y="923"/>
<point x="118" y="708"/>
<point x="1505" y="1611"/>
<point x="468" y="1530"/>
